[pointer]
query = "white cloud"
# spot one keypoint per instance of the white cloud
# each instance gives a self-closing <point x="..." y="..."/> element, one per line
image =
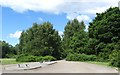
<point x="84" y="18"/>
<point x="80" y="18"/>
<point x="33" y="5"/>
<point x="60" y="33"/>
<point x="16" y="34"/>
<point x="71" y="16"/>
<point x="72" y="8"/>
<point x="97" y="10"/>
<point x="40" y="19"/>
<point x="58" y="6"/>
<point x="86" y="27"/>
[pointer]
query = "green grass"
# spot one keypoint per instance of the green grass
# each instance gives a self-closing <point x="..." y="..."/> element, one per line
<point x="101" y="63"/>
<point x="6" y="61"/>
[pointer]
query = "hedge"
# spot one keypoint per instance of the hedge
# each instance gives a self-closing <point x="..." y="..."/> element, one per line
<point x="81" y="57"/>
<point x="31" y="58"/>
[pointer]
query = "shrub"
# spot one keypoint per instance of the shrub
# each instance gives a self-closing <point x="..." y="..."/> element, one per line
<point x="80" y="57"/>
<point x="49" y="58"/>
<point x="26" y="58"/>
<point x="71" y="57"/>
<point x="31" y="58"/>
<point x="11" y="55"/>
<point x="39" y="58"/>
<point x="103" y="57"/>
<point x="115" y="58"/>
<point x="20" y="57"/>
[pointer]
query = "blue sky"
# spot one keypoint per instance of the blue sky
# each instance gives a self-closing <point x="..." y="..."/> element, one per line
<point x="20" y="15"/>
<point x="13" y="21"/>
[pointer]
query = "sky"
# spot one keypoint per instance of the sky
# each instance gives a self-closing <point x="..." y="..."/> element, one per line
<point x="19" y="15"/>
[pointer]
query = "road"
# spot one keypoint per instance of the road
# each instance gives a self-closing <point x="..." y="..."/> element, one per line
<point x="70" y="67"/>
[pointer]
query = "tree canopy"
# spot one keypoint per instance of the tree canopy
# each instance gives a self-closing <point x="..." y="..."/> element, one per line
<point x="75" y="38"/>
<point x="7" y="50"/>
<point x="105" y="28"/>
<point x="40" y="40"/>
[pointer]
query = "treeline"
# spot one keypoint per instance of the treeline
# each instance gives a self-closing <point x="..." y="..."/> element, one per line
<point x="100" y="43"/>
<point x="8" y="51"/>
<point x="101" y="40"/>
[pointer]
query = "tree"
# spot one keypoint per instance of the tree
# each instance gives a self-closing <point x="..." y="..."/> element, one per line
<point x="78" y="42"/>
<point x="105" y="28"/>
<point x="75" y="38"/>
<point x="8" y="50"/>
<point x="40" y="40"/>
<point x="115" y="55"/>
<point x="91" y="46"/>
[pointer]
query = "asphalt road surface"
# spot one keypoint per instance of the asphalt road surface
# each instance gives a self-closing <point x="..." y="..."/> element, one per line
<point x="69" y="67"/>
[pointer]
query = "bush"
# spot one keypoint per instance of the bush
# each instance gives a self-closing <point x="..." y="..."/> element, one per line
<point x="115" y="58"/>
<point x="49" y="58"/>
<point x="31" y="58"/>
<point x="45" y="58"/>
<point x="39" y="58"/>
<point x="26" y="58"/>
<point x="103" y="57"/>
<point x="80" y="57"/>
<point x="11" y="55"/>
<point x="72" y="57"/>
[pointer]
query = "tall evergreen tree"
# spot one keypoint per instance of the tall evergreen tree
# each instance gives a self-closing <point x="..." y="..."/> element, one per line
<point x="105" y="28"/>
<point x="40" y="40"/>
<point x="75" y="37"/>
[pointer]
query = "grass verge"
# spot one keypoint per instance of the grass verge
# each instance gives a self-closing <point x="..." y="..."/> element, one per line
<point x="101" y="63"/>
<point x="6" y="61"/>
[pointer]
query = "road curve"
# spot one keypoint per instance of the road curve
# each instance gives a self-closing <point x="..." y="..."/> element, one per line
<point x="70" y="67"/>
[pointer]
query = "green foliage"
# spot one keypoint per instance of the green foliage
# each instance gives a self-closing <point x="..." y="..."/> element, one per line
<point x="106" y="51"/>
<point x="103" y="40"/>
<point x="8" y="51"/>
<point x="39" y="58"/>
<point x="91" y="46"/>
<point x="26" y="58"/>
<point x="40" y="40"/>
<point x="49" y="58"/>
<point x="106" y="29"/>
<point x="75" y="38"/>
<point x="31" y="58"/>
<point x="80" y="57"/>
<point x="114" y="59"/>
<point x="45" y="58"/>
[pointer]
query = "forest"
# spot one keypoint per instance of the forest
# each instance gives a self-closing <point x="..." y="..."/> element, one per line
<point x="42" y="42"/>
